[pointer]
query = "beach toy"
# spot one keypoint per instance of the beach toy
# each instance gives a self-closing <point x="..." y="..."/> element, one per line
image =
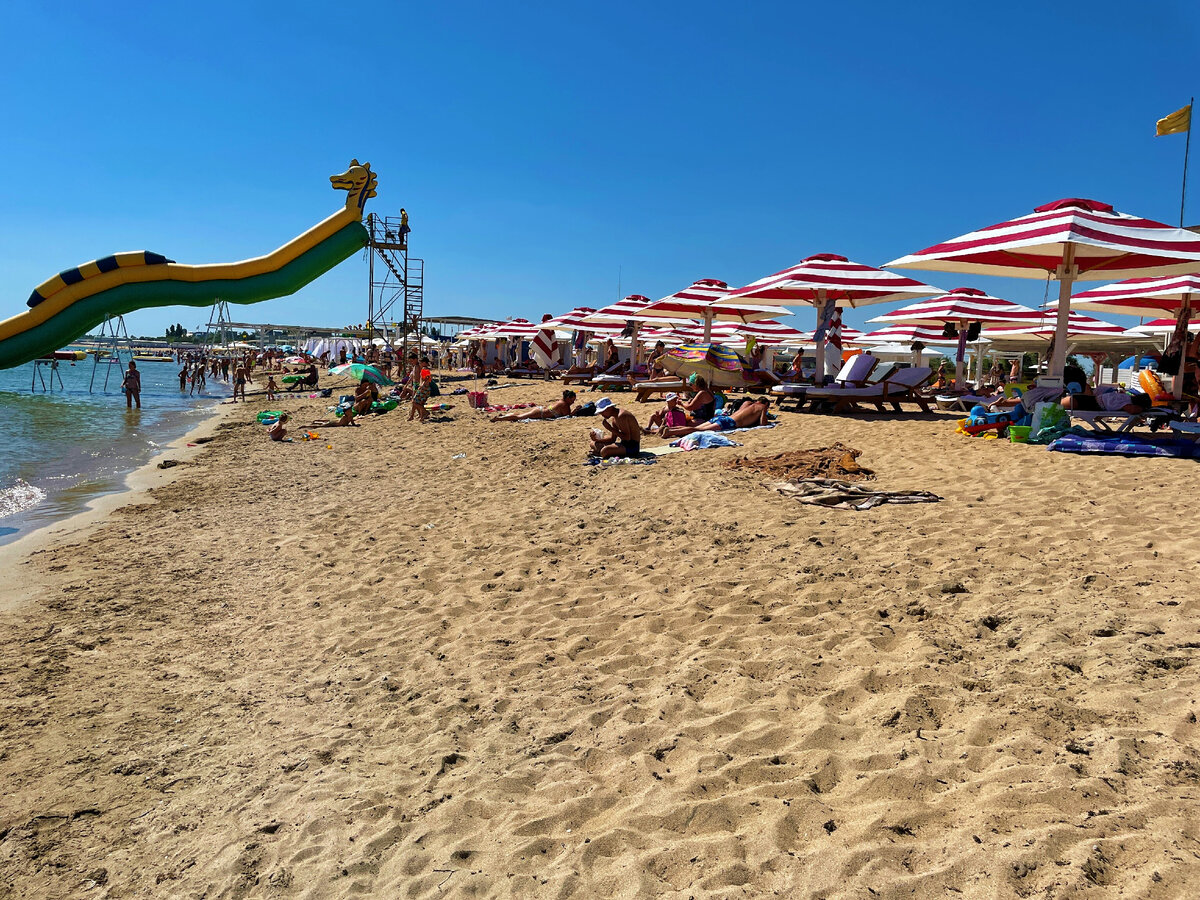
<point x="268" y="414"/>
<point x="1153" y="386"/>
<point x="1018" y="434"/>
<point x="291" y="379"/>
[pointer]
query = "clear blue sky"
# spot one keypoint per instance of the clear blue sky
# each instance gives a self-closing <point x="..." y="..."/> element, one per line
<point x="540" y="148"/>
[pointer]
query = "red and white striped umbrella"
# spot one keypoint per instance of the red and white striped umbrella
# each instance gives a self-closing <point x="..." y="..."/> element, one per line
<point x="521" y="329"/>
<point x="1141" y="296"/>
<point x="1071" y="240"/>
<point x="906" y="334"/>
<point x="1079" y="327"/>
<point x="698" y="301"/>
<point x="963" y="305"/>
<point x="621" y="311"/>
<point x="764" y="331"/>
<point x="1159" y="327"/>
<point x="826" y="281"/>
<point x="825" y="276"/>
<point x="575" y="321"/>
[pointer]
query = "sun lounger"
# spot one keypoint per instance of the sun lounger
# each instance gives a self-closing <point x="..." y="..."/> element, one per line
<point x="790" y="393"/>
<point x="579" y="377"/>
<point x="897" y="386"/>
<point x="1101" y="420"/>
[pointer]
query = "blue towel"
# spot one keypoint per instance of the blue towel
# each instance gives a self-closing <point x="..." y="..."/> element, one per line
<point x="1127" y="445"/>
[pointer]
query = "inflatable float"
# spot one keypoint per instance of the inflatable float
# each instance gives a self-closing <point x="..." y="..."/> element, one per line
<point x="76" y="300"/>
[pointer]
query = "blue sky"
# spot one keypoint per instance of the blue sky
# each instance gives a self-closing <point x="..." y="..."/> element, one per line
<point x="541" y="149"/>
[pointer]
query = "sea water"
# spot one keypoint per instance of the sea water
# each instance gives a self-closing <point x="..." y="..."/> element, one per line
<point x="63" y="445"/>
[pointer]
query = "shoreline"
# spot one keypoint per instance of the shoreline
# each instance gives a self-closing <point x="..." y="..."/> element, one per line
<point x="135" y="486"/>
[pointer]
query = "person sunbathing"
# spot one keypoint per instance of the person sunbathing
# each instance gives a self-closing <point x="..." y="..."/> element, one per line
<point x="670" y="416"/>
<point x="346" y="419"/>
<point x="624" y="437"/>
<point x="557" y="410"/>
<point x="748" y="415"/>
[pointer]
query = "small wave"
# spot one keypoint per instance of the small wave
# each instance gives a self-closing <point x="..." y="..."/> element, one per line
<point x="18" y="497"/>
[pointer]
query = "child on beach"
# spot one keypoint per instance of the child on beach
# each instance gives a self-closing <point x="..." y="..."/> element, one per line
<point x="272" y="387"/>
<point x="277" y="432"/>
<point x="420" y="395"/>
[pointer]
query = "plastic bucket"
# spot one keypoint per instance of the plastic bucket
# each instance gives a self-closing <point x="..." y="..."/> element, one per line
<point x="1018" y="434"/>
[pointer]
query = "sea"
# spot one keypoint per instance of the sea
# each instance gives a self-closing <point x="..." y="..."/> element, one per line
<point x="66" y="437"/>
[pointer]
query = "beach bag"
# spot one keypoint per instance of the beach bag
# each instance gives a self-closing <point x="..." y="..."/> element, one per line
<point x="434" y="390"/>
<point x="1048" y="416"/>
<point x="588" y="409"/>
<point x="477" y="399"/>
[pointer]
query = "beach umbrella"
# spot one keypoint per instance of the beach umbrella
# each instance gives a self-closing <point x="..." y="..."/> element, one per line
<point x="622" y="311"/>
<point x="295" y="360"/>
<point x="906" y="334"/>
<point x="829" y="282"/>
<point x="1160" y="327"/>
<point x="1069" y="240"/>
<point x="960" y="307"/>
<point x="699" y="301"/>
<point x="1146" y="296"/>
<point x="717" y="365"/>
<point x="361" y="372"/>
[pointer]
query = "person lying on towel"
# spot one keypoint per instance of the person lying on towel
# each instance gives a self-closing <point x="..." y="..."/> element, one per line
<point x="624" y="434"/>
<point x="748" y="415"/>
<point x="556" y="410"/>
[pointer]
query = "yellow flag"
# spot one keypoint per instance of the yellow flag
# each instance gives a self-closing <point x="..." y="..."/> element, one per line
<point x="1177" y="122"/>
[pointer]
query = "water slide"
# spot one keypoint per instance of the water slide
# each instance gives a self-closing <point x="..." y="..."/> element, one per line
<point x="75" y="301"/>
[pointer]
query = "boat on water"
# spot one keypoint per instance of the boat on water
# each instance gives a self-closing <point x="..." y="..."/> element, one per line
<point x="147" y="357"/>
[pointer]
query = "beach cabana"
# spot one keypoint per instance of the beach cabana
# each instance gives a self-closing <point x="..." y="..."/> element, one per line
<point x="1069" y="240"/>
<point x="829" y="282"/>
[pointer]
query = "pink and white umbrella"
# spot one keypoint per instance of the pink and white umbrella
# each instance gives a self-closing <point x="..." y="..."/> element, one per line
<point x="1071" y="240"/>
<point x="827" y="282"/>
<point x="698" y="301"/>
<point x="960" y="307"/>
<point x="1160" y="327"/>
<point x="623" y="311"/>
<point x="519" y="329"/>
<point x="1079" y="328"/>
<point x="906" y="334"/>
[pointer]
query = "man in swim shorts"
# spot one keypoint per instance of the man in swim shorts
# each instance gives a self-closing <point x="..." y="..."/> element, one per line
<point x="557" y="410"/>
<point x="748" y="415"/>
<point x="624" y="436"/>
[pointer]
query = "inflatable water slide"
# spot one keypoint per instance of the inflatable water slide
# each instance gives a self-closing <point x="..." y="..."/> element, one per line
<point x="75" y="301"/>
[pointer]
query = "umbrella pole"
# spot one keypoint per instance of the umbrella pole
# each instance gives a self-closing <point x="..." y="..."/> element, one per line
<point x="960" y="355"/>
<point x="708" y="317"/>
<point x="819" y="378"/>
<point x="1067" y="272"/>
<point x="1185" y="315"/>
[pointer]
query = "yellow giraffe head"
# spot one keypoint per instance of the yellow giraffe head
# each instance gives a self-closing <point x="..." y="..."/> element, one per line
<point x="359" y="181"/>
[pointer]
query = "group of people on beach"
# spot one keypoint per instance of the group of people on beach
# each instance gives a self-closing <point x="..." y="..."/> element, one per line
<point x="621" y="433"/>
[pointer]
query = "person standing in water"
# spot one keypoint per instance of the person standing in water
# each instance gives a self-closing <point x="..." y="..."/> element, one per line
<point x="132" y="385"/>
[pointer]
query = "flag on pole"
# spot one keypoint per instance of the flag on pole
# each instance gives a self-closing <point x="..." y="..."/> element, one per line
<point x="544" y="349"/>
<point x="1176" y="123"/>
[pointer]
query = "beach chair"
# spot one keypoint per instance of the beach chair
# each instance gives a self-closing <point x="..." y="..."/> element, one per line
<point x="854" y="373"/>
<point x="894" y="386"/>
<point x="648" y="389"/>
<point x="580" y="377"/>
<point x="904" y="386"/>
<point x="1117" y="421"/>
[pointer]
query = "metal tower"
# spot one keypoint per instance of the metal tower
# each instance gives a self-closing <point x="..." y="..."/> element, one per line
<point x="394" y="278"/>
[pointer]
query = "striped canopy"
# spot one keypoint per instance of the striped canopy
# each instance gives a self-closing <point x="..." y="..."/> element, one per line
<point x="1079" y="327"/>
<point x="699" y="301"/>
<point x="521" y="329"/>
<point x="808" y="338"/>
<point x="1142" y="296"/>
<point x="963" y="305"/>
<point x="764" y="331"/>
<point x="1158" y="327"/>
<point x="574" y="321"/>
<point x="1106" y="244"/>
<point x="826" y="276"/>
<point x="621" y="311"/>
<point x="906" y="334"/>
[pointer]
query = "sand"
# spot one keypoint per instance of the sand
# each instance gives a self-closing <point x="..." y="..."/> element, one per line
<point x="360" y="666"/>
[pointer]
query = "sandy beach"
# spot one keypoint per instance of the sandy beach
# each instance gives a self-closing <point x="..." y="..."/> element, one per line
<point x="361" y="666"/>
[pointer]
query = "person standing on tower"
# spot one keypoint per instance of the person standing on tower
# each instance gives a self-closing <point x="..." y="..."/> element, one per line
<point x="404" y="229"/>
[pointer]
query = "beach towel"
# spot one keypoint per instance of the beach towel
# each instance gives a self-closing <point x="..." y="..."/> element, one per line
<point x="1125" y="444"/>
<point x="703" y="440"/>
<point x="843" y="495"/>
<point x="645" y="458"/>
